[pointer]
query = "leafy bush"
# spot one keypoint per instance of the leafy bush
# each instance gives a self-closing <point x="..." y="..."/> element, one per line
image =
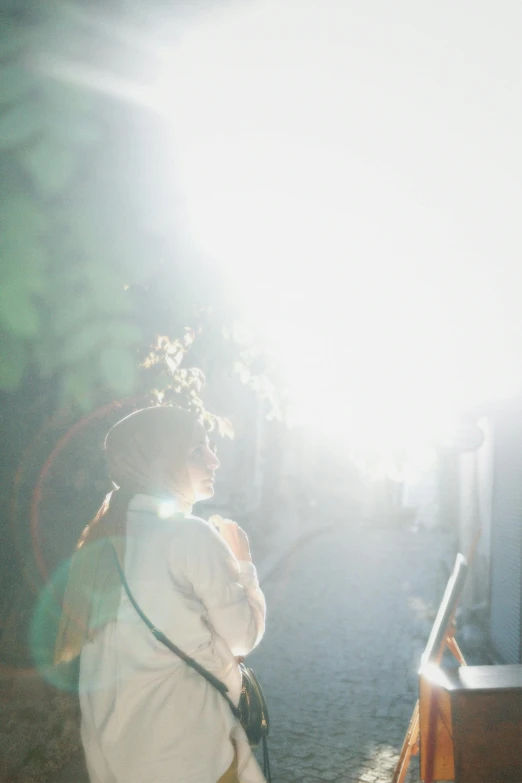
<point x="92" y="273"/>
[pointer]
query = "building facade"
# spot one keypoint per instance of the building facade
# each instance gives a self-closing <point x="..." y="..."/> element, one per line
<point x="490" y="501"/>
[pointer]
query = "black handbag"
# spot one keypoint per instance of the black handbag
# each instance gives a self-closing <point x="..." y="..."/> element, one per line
<point x="252" y="711"/>
<point x="252" y="707"/>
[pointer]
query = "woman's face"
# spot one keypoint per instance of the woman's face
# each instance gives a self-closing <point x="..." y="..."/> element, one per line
<point x="202" y="464"/>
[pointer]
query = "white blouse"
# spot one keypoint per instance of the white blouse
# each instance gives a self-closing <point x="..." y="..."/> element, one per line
<point x="147" y="717"/>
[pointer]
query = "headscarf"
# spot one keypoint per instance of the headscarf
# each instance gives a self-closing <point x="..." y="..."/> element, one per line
<point x="146" y="454"/>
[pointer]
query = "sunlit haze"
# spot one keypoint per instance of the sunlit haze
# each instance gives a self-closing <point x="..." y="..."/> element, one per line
<point x="346" y="164"/>
<point x="355" y="171"/>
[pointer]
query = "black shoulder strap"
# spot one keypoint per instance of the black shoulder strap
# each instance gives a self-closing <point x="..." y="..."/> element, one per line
<point x="220" y="686"/>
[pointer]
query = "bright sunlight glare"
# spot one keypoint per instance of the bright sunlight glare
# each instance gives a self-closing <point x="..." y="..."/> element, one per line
<point x="319" y="169"/>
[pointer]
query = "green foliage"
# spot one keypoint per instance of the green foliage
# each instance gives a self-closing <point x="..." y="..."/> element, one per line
<point x="15" y="82"/>
<point x="18" y="124"/>
<point x="63" y="307"/>
<point x="50" y="164"/>
<point x="90" y="273"/>
<point x="119" y="370"/>
<point x="13" y="361"/>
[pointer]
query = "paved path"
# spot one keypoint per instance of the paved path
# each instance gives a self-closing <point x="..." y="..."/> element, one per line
<point x="349" y="615"/>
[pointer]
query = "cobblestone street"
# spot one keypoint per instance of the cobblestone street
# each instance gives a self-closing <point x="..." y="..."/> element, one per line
<point x="348" y="617"/>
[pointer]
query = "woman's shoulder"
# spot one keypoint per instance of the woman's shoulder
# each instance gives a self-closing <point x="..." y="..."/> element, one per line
<point x="194" y="527"/>
<point x="197" y="522"/>
<point x="198" y="539"/>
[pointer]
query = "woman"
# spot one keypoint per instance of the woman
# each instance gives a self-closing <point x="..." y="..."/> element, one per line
<point x="147" y="717"/>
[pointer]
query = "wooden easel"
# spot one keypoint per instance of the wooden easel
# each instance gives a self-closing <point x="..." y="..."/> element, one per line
<point x="442" y="638"/>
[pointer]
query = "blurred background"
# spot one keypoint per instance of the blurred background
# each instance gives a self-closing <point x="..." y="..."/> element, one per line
<point x="300" y="219"/>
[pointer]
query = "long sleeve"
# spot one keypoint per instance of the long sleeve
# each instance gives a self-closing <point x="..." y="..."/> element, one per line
<point x="228" y="589"/>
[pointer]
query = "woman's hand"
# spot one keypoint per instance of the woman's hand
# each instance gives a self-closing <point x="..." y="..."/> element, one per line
<point x="235" y="537"/>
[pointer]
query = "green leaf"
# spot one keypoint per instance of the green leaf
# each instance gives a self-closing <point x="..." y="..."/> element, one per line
<point x="22" y="252"/>
<point x="15" y="82"/>
<point x="51" y="164"/>
<point x="14" y="36"/>
<point x="13" y="362"/>
<point x="124" y="333"/>
<point x="35" y="280"/>
<point x="76" y="386"/>
<point x="17" y="312"/>
<point x="225" y="427"/>
<point x="65" y="97"/>
<point x="118" y="369"/>
<point x="83" y="343"/>
<point x="20" y="124"/>
<point x="104" y="281"/>
<point x="73" y="129"/>
<point x="22" y="264"/>
<point x="110" y="298"/>
<point x="19" y="213"/>
<point x="69" y="312"/>
<point x="46" y="357"/>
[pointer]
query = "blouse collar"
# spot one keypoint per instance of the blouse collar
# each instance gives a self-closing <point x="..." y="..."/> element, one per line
<point x="164" y="508"/>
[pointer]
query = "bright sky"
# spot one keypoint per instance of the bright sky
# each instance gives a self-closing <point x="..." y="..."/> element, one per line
<point x="357" y="168"/>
